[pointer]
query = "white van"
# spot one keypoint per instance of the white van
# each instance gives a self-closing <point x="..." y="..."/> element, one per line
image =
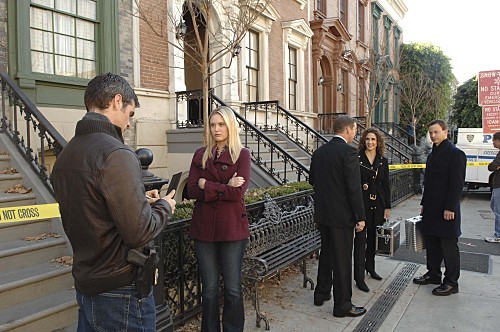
<point x="477" y="147"/>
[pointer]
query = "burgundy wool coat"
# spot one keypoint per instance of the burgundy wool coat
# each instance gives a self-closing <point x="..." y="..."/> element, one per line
<point x="220" y="213"/>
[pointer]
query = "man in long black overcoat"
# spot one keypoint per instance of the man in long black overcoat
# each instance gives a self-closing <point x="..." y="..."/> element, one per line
<point x="338" y="211"/>
<point x="443" y="184"/>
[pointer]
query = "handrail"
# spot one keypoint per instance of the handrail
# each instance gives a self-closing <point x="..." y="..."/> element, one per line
<point x="398" y="131"/>
<point x="35" y="122"/>
<point x="402" y="147"/>
<point x="293" y="128"/>
<point x="281" y="154"/>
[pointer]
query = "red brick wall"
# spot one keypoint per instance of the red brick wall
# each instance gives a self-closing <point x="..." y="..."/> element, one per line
<point x="153" y="45"/>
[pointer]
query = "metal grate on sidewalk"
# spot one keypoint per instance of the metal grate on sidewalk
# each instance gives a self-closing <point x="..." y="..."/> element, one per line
<point x="374" y="318"/>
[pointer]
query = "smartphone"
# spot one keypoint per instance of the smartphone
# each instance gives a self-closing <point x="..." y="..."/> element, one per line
<point x="174" y="182"/>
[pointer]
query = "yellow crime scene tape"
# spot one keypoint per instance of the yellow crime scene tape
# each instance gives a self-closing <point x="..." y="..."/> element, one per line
<point x="29" y="212"/>
<point x="408" y="166"/>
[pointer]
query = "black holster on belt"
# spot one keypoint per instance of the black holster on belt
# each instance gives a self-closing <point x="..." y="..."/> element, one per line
<point x="145" y="269"/>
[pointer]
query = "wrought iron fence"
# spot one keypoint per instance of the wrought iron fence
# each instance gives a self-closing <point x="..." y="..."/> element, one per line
<point x="326" y="122"/>
<point x="397" y="130"/>
<point x="402" y="185"/>
<point x="181" y="276"/>
<point x="30" y="131"/>
<point x="182" y="280"/>
<point x="394" y="141"/>
<point x="277" y="118"/>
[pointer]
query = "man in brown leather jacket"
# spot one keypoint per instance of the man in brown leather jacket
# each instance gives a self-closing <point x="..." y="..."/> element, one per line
<point x="105" y="211"/>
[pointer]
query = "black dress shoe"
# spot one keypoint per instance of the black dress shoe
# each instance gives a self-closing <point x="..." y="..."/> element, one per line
<point x="362" y="286"/>
<point x="374" y="274"/>
<point x="426" y="280"/>
<point x="319" y="299"/>
<point x="354" y="312"/>
<point x="445" y="290"/>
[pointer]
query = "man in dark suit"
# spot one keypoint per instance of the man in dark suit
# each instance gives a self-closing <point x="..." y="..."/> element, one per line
<point x="443" y="184"/>
<point x="338" y="211"/>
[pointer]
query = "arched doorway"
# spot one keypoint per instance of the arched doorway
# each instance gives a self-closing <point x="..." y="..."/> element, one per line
<point x="192" y="70"/>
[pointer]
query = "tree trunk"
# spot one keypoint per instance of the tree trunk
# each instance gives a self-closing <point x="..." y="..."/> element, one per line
<point x="206" y="100"/>
<point x="414" y="122"/>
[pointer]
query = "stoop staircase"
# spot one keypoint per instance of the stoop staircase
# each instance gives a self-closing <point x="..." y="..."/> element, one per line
<point x="36" y="292"/>
<point x="36" y="284"/>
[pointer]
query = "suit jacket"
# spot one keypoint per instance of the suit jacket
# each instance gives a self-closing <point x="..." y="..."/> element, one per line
<point x="219" y="213"/>
<point x="335" y="177"/>
<point x="443" y="184"/>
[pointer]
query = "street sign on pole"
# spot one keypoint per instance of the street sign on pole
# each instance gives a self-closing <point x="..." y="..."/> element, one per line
<point x="491" y="119"/>
<point x="488" y="85"/>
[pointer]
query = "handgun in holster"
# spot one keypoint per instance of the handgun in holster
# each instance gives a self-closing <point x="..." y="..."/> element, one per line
<point x="145" y="269"/>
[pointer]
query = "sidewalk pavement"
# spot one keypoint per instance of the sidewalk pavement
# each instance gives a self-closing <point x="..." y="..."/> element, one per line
<point x="289" y="307"/>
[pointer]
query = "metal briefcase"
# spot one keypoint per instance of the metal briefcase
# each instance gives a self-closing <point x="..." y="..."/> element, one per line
<point x="388" y="238"/>
<point x="414" y="238"/>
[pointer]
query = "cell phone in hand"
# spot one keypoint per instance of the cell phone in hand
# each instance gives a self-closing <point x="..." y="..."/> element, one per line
<point x="174" y="182"/>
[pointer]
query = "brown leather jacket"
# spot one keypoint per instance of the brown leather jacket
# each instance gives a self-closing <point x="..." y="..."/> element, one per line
<point x="97" y="182"/>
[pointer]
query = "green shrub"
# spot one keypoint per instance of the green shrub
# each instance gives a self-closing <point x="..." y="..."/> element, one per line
<point x="184" y="210"/>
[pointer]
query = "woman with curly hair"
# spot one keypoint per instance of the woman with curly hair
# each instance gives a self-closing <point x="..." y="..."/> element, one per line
<point x="374" y="168"/>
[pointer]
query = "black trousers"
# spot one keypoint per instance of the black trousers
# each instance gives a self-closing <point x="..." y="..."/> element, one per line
<point x="364" y="252"/>
<point x="439" y="249"/>
<point x="335" y="266"/>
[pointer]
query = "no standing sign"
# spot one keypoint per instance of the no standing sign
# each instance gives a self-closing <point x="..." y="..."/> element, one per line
<point x="489" y="88"/>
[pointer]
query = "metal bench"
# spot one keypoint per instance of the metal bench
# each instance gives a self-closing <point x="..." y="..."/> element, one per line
<point x="277" y="240"/>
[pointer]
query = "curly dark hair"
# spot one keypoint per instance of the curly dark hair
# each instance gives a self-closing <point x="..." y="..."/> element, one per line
<point x="380" y="140"/>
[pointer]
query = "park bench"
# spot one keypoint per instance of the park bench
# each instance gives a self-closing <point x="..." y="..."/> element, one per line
<point x="277" y="240"/>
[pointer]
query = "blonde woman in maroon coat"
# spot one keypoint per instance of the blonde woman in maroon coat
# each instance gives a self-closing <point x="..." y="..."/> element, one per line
<point x="218" y="178"/>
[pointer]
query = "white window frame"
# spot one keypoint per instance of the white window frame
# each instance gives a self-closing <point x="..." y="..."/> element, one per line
<point x="296" y="34"/>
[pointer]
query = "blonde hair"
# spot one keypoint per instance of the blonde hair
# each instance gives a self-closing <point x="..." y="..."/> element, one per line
<point x="233" y="137"/>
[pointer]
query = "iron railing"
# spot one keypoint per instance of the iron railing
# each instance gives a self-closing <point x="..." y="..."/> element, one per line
<point x="326" y="120"/>
<point x="279" y="157"/>
<point x="181" y="277"/>
<point x="272" y="158"/>
<point x="191" y="114"/>
<point x="28" y="129"/>
<point x="397" y="130"/>
<point x="279" y="119"/>
<point x="395" y="142"/>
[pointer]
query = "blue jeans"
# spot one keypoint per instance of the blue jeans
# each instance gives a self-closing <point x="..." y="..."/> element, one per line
<point x="215" y="258"/>
<point x="495" y="207"/>
<point x="117" y="310"/>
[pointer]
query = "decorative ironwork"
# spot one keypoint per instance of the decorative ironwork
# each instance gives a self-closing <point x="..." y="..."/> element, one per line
<point x="285" y="122"/>
<point x="181" y="276"/>
<point x="402" y="185"/>
<point x="395" y="142"/>
<point x="282" y="166"/>
<point x="326" y="122"/>
<point x="398" y="131"/>
<point x="33" y="147"/>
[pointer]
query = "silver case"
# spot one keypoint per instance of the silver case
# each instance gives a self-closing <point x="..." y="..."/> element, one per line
<point x="414" y="238"/>
<point x="388" y="238"/>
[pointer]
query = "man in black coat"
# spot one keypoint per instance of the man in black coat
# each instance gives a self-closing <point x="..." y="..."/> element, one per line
<point x="443" y="184"/>
<point x="339" y="210"/>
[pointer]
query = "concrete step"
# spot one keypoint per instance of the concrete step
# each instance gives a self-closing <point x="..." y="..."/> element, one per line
<point x="9" y="180"/>
<point x="4" y="161"/>
<point x="7" y="200"/>
<point x="18" y="254"/>
<point x="26" y="284"/>
<point x="46" y="313"/>
<point x="18" y="230"/>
